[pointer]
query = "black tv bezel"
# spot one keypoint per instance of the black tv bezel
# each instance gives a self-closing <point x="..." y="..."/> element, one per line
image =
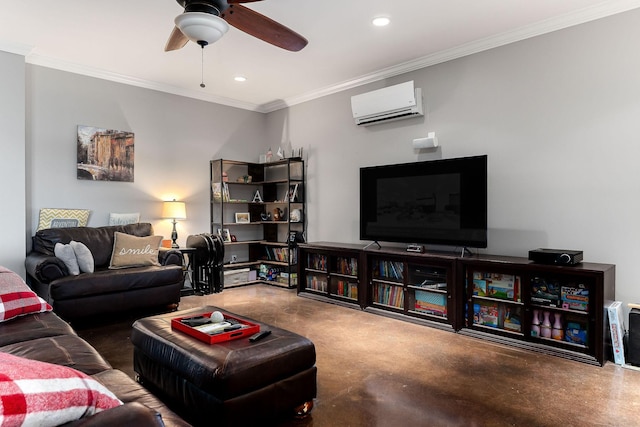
<point x="472" y="168"/>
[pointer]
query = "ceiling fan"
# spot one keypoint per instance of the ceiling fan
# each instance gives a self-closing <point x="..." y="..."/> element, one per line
<point x="206" y="21"/>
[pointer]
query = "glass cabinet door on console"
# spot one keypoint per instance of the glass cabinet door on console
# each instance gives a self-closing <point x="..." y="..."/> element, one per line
<point x="316" y="273"/>
<point x="427" y="291"/>
<point x="416" y="286"/>
<point x="331" y="273"/>
<point x="343" y="282"/>
<point x="553" y="309"/>
<point x="561" y="311"/>
<point x="387" y="284"/>
<point x="495" y="302"/>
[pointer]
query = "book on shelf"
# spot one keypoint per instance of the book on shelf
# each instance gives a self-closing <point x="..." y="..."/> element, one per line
<point x="347" y="266"/>
<point x="616" y="326"/>
<point x="496" y="285"/>
<point x="316" y="283"/>
<point x="317" y="262"/>
<point x="512" y="319"/>
<point x="545" y="292"/>
<point x="575" y="297"/>
<point x="389" y="295"/>
<point x="431" y="303"/>
<point x="486" y="314"/>
<point x="288" y="255"/>
<point x="347" y="289"/>
<point x="392" y="270"/>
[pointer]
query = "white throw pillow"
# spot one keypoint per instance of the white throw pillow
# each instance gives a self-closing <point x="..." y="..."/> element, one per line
<point x="68" y="256"/>
<point x="83" y="256"/>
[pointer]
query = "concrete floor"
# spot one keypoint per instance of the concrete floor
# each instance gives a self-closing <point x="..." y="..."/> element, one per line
<point x="378" y="371"/>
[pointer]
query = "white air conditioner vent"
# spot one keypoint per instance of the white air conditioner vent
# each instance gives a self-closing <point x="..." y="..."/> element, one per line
<point x="396" y="102"/>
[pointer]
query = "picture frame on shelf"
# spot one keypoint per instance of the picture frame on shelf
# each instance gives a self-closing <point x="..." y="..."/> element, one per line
<point x="220" y="191"/>
<point x="242" y="217"/>
<point x="224" y="234"/>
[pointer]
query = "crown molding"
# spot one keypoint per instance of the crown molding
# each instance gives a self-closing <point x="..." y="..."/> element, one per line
<point x="543" y="27"/>
<point x="15" y="48"/>
<point x="602" y="10"/>
<point x="48" y="62"/>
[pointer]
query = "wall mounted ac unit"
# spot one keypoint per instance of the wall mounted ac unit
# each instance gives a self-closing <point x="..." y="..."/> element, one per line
<point x="396" y="102"/>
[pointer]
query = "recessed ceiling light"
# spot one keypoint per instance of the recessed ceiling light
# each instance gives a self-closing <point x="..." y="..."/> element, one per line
<point x="240" y="78"/>
<point x="381" y="21"/>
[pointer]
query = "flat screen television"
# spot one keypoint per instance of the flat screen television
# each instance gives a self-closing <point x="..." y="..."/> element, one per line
<point x="439" y="202"/>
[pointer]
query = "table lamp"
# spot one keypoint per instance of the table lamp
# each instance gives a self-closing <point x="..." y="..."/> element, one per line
<point x="174" y="210"/>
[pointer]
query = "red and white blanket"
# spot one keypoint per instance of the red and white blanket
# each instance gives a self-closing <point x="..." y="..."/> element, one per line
<point x="16" y="298"/>
<point x="34" y="393"/>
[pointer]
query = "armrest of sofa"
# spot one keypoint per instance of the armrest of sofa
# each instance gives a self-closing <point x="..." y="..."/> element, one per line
<point x="170" y="257"/>
<point x="45" y="268"/>
<point x="129" y="414"/>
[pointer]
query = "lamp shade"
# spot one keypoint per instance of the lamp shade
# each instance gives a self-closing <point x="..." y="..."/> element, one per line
<point x="199" y="26"/>
<point x="174" y="210"/>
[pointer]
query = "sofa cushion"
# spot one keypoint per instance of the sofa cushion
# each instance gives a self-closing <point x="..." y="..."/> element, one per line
<point x="44" y="394"/>
<point x="34" y="326"/>
<point x="99" y="240"/>
<point x="130" y="391"/>
<point x="65" y="350"/>
<point x="16" y="299"/>
<point x="68" y="256"/>
<point x="134" y="251"/>
<point x="83" y="256"/>
<point x="105" y="282"/>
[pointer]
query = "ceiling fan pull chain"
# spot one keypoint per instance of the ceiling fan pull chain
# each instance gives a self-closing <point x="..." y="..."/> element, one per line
<point x="202" y="44"/>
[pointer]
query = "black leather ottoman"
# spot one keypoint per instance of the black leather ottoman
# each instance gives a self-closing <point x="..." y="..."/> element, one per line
<point x="230" y="383"/>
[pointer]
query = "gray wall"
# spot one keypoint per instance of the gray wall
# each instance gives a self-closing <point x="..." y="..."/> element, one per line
<point x="557" y="116"/>
<point x="175" y="137"/>
<point x="12" y="159"/>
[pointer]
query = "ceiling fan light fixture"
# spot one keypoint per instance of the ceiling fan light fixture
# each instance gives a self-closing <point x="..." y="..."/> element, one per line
<point x="201" y="27"/>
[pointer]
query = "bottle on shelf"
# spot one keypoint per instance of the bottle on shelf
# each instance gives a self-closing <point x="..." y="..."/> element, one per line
<point x="557" y="333"/>
<point x="545" y="329"/>
<point x="535" y="324"/>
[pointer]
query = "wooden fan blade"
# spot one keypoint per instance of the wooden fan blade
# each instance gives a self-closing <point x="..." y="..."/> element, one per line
<point x="264" y="28"/>
<point x="176" y="40"/>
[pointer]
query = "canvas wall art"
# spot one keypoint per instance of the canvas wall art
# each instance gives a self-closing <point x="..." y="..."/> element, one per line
<point x="105" y="154"/>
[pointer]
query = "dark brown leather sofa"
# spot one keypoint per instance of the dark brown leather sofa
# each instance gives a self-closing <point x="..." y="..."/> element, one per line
<point x="104" y="291"/>
<point x="46" y="337"/>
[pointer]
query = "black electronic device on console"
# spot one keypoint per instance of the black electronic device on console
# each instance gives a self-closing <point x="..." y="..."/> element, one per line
<point x="556" y="256"/>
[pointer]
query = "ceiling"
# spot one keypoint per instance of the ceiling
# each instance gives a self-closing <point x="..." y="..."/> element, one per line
<point x="123" y="40"/>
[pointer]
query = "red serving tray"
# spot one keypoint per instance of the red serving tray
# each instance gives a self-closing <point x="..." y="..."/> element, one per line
<point x="248" y="329"/>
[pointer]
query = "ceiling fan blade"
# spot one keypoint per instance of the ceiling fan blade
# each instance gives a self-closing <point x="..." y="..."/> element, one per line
<point x="241" y="1"/>
<point x="264" y="28"/>
<point x="176" y="40"/>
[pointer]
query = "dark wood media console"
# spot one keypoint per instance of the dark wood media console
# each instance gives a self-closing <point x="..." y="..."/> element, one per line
<point x="558" y="310"/>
